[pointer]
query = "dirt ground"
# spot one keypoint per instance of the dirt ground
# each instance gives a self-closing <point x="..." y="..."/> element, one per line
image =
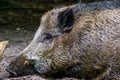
<point x="18" y="40"/>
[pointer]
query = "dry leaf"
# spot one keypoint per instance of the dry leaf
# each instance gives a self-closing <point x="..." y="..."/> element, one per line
<point x="3" y="44"/>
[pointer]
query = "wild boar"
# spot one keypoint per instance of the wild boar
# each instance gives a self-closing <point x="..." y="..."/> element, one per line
<point x="82" y="41"/>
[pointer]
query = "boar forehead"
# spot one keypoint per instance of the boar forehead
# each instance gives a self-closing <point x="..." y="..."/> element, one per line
<point x="49" y="20"/>
<point x="49" y="23"/>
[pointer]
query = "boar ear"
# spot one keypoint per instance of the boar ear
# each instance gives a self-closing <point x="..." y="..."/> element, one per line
<point x="65" y="20"/>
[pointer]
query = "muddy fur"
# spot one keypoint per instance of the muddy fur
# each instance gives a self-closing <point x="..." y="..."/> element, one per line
<point x="86" y="42"/>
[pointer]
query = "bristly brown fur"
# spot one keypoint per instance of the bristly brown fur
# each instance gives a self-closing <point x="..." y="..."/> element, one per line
<point x="90" y="51"/>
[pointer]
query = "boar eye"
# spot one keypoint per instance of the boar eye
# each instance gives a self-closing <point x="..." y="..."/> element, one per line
<point x="47" y="38"/>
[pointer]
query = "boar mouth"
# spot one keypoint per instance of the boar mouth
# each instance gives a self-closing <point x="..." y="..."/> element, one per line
<point x="12" y="73"/>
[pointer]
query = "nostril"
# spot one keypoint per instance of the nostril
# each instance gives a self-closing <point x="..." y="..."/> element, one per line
<point x="12" y="73"/>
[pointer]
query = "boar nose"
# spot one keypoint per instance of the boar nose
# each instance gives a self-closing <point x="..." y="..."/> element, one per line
<point x="12" y="73"/>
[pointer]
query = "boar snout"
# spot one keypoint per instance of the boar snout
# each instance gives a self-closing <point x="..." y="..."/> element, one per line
<point x="21" y="66"/>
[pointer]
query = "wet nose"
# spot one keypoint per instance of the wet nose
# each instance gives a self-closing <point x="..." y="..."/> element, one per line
<point x="12" y="73"/>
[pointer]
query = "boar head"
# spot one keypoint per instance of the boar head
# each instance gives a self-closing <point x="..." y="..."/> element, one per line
<point x="48" y="52"/>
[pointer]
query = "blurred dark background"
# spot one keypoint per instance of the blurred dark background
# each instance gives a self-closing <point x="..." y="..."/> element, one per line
<point x="25" y="14"/>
